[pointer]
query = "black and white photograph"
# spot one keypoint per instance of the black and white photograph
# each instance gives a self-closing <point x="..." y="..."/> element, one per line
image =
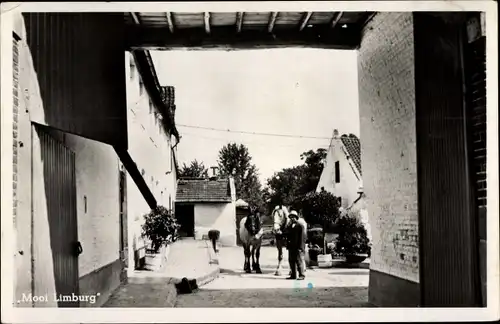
<point x="184" y="162"/>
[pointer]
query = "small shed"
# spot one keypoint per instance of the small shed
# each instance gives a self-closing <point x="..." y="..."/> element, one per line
<point x="206" y="204"/>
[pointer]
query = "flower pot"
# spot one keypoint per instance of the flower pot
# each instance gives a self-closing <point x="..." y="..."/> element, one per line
<point x="313" y="257"/>
<point x="325" y="260"/>
<point x="355" y="258"/>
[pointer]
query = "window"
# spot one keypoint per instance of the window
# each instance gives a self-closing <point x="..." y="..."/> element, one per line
<point x="337" y="172"/>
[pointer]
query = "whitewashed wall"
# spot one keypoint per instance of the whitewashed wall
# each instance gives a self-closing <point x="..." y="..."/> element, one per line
<point x="221" y="216"/>
<point x="349" y="183"/>
<point x="151" y="150"/>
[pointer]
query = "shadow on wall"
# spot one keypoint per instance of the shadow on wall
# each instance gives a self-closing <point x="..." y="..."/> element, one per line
<point x="80" y="73"/>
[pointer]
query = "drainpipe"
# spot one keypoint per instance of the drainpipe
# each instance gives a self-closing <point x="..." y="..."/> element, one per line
<point x="360" y="193"/>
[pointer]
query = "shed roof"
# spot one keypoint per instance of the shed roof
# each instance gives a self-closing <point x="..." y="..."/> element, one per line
<point x="203" y="190"/>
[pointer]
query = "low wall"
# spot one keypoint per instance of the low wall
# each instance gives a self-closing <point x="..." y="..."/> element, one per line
<point x="101" y="283"/>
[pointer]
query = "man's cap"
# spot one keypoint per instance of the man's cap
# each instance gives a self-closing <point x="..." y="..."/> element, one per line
<point x="293" y="213"/>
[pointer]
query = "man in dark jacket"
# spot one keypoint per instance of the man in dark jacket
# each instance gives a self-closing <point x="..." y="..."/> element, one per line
<point x="296" y="247"/>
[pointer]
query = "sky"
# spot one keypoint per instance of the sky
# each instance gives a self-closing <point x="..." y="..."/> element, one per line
<point x="299" y="92"/>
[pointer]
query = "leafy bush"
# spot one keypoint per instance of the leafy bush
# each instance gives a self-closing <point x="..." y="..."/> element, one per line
<point x="352" y="239"/>
<point x="320" y="208"/>
<point x="159" y="225"/>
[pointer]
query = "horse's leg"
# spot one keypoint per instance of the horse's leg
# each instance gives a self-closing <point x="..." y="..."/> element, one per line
<point x="280" y="256"/>
<point x="247" y="258"/>
<point x="253" y="256"/>
<point x="257" y="256"/>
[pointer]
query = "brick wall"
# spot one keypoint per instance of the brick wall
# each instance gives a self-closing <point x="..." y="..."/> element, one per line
<point x="15" y="89"/>
<point x="388" y="142"/>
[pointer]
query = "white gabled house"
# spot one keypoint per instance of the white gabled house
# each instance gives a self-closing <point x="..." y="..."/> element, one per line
<point x="342" y="173"/>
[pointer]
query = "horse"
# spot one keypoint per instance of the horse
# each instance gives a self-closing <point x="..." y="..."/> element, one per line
<point x="251" y="232"/>
<point x="281" y="221"/>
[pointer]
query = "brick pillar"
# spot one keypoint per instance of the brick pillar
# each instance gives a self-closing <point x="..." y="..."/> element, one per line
<point x="415" y="161"/>
<point x="386" y="72"/>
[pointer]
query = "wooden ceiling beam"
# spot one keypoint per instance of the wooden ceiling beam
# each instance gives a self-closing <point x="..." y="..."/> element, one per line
<point x="135" y="17"/>
<point x="239" y="21"/>
<point x="305" y="20"/>
<point x="272" y="21"/>
<point x="225" y="38"/>
<point x="335" y="19"/>
<point x="170" y="22"/>
<point x="207" y="22"/>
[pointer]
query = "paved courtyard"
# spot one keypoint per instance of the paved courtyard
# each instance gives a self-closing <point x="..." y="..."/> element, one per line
<point x="333" y="287"/>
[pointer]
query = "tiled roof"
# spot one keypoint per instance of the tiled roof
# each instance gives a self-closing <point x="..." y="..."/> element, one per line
<point x="203" y="190"/>
<point x="353" y="147"/>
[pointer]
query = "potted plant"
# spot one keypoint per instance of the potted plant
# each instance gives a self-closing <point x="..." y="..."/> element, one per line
<point x="320" y="208"/>
<point x="315" y="240"/>
<point x="352" y="243"/>
<point x="159" y="227"/>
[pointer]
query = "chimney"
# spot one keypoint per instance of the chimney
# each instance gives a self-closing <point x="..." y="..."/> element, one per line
<point x="335" y="133"/>
<point x="215" y="171"/>
<point x="232" y="189"/>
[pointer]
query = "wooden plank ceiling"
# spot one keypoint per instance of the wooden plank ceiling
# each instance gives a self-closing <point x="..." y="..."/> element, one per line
<point x="244" y="30"/>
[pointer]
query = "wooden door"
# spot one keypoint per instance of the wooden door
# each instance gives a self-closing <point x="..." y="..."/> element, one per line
<point x="60" y="189"/>
<point x="185" y="217"/>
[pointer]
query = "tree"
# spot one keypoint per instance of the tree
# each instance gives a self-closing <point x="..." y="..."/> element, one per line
<point x="321" y="208"/>
<point x="291" y="185"/>
<point x="285" y="186"/>
<point x="194" y="170"/>
<point x="314" y="163"/>
<point x="235" y="160"/>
